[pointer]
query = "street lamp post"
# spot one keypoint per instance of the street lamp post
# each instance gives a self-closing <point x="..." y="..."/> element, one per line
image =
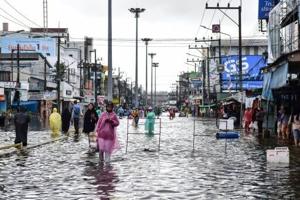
<point x="109" y="53"/>
<point x="136" y="12"/>
<point x="155" y="65"/>
<point x="146" y="40"/>
<point x="152" y="55"/>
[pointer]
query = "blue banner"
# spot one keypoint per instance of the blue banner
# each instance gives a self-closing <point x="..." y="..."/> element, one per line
<point x="46" y="46"/>
<point x="264" y="7"/>
<point x="251" y="72"/>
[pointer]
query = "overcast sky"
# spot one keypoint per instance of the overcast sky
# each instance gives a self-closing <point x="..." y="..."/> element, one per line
<point x="162" y="19"/>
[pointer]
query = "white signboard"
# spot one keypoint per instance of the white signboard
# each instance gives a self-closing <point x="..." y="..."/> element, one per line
<point x="10" y="85"/>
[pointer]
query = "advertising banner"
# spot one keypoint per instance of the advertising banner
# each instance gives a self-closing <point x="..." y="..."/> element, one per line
<point x="46" y="46"/>
<point x="251" y="72"/>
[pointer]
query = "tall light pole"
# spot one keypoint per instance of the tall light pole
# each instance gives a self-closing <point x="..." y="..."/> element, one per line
<point x="146" y="40"/>
<point x="152" y="55"/>
<point x="136" y="12"/>
<point x="109" y="53"/>
<point x="155" y="65"/>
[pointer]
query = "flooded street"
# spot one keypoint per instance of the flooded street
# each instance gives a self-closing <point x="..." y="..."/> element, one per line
<point x="217" y="169"/>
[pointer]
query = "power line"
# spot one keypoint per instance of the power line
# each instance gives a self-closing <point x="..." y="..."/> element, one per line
<point x="13" y="21"/>
<point x="201" y="22"/>
<point x="19" y="21"/>
<point x="21" y="13"/>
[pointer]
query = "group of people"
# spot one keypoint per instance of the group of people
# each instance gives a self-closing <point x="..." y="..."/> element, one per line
<point x="102" y="126"/>
<point x="288" y="123"/>
<point x="61" y="123"/>
<point x="253" y="119"/>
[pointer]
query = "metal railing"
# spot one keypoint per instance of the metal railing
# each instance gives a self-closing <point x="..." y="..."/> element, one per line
<point x="143" y="133"/>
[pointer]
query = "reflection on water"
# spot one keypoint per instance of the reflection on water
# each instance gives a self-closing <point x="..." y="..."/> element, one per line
<point x="105" y="178"/>
<point x="217" y="169"/>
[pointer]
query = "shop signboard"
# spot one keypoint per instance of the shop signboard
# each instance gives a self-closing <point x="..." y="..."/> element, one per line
<point x="7" y="84"/>
<point x="252" y="77"/>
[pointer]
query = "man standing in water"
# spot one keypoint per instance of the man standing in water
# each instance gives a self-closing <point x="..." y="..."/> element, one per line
<point x="21" y="120"/>
<point x="76" y="117"/>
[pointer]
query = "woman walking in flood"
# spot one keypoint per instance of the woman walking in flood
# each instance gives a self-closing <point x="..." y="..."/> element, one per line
<point x="89" y="122"/>
<point x="106" y="133"/>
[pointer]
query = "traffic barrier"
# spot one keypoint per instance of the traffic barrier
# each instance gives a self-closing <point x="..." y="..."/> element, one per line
<point x="19" y="145"/>
<point x="278" y="155"/>
<point x="142" y="133"/>
<point x="226" y="124"/>
<point x="6" y="154"/>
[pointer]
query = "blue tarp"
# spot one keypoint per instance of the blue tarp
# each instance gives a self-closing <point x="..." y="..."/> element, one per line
<point x="267" y="91"/>
<point x="274" y="80"/>
<point x="279" y="76"/>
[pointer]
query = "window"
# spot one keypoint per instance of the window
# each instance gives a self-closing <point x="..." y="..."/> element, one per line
<point x="4" y="76"/>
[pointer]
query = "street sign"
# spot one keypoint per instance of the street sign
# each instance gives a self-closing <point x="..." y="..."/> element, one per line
<point x="220" y="68"/>
<point x="216" y="28"/>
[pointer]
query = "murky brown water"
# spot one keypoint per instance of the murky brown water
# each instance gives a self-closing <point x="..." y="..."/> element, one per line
<point x="63" y="170"/>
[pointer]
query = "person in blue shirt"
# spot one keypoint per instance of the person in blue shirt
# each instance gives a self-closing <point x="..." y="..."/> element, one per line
<point x="76" y="112"/>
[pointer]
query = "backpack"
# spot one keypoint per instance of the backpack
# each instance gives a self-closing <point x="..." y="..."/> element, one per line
<point x="76" y="111"/>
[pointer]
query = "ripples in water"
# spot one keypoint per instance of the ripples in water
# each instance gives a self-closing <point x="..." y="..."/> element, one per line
<point x="217" y="169"/>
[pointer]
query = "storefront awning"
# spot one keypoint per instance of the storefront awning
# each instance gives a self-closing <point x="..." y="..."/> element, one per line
<point x="274" y="80"/>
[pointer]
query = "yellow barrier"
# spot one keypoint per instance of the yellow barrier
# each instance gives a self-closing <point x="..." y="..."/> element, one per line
<point x="19" y="145"/>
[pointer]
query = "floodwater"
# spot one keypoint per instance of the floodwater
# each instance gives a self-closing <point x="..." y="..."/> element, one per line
<point x="217" y="169"/>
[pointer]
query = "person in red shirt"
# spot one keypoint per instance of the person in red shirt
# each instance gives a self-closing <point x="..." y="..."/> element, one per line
<point x="247" y="119"/>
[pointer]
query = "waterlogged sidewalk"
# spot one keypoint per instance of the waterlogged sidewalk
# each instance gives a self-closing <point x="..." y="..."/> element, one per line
<point x="34" y="139"/>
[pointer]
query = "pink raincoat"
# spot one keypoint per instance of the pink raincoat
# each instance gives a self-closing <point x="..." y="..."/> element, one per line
<point x="106" y="132"/>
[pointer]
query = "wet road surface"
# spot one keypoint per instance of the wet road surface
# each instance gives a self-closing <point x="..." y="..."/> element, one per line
<point x="217" y="169"/>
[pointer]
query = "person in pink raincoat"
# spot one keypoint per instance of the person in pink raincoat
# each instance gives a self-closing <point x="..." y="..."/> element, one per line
<point x="106" y="133"/>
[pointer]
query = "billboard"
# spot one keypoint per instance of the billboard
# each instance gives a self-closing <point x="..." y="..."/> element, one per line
<point x="264" y="7"/>
<point x="46" y="46"/>
<point x="251" y="72"/>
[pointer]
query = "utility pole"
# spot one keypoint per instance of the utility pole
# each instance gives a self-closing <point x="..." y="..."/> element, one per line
<point x="109" y="53"/>
<point x="18" y="76"/>
<point x="155" y="65"/>
<point x="239" y="24"/>
<point x="146" y="40"/>
<point x="206" y="70"/>
<point x="136" y="12"/>
<point x="80" y="74"/>
<point x="45" y="74"/>
<point x="12" y="64"/>
<point x="131" y="99"/>
<point x="119" y="87"/>
<point x="152" y="55"/>
<point x="220" y="52"/>
<point x="58" y="74"/>
<point x="95" y="78"/>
